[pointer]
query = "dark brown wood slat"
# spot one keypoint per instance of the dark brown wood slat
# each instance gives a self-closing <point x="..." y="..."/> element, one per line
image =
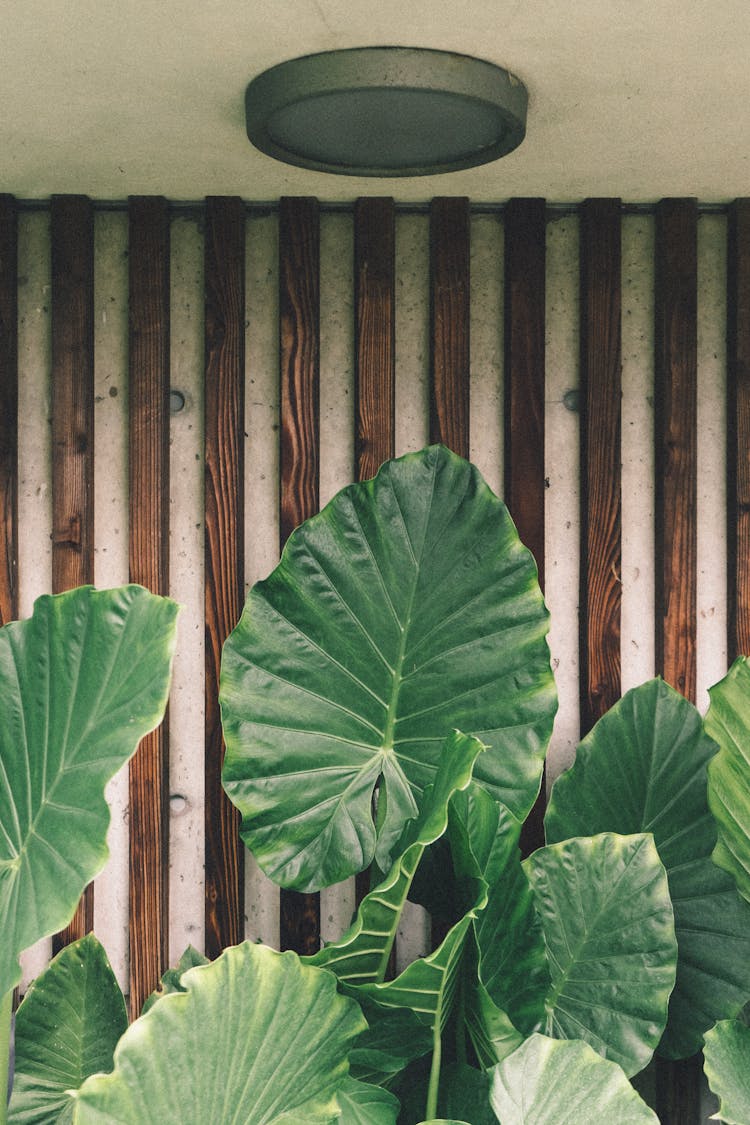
<point x="601" y="389"/>
<point x="449" y="323"/>
<point x="148" y="558"/>
<point x="375" y="334"/>
<point x="738" y="428"/>
<point x="72" y="247"/>
<point x="525" y="262"/>
<point x="299" y="372"/>
<point x="224" y="557"/>
<point x="374" y="350"/>
<point x="675" y="407"/>
<point x="8" y="409"/>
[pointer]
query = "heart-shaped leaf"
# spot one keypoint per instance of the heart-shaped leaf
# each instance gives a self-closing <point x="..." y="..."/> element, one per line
<point x="67" y="1028"/>
<point x="643" y="769"/>
<point x="405" y="609"/>
<point x="551" y="1082"/>
<point x="609" y="932"/>
<point x="255" y="1037"/>
<point x="81" y="682"/>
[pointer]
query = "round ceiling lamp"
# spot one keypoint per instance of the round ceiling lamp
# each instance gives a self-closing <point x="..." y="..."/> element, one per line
<point x="386" y="111"/>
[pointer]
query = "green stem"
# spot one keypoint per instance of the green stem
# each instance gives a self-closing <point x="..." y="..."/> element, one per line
<point x="6" y="1011"/>
<point x="432" y="1089"/>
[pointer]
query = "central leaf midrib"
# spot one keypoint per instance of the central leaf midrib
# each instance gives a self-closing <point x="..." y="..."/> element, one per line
<point x="391" y="714"/>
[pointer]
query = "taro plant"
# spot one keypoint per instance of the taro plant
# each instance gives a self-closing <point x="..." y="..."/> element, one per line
<point x="387" y="701"/>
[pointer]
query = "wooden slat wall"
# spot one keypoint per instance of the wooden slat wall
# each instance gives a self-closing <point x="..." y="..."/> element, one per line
<point x="299" y="360"/>
<point x="149" y="492"/>
<point x="8" y="409"/>
<point x="529" y="417"/>
<point x="72" y="254"/>
<point x="224" y="556"/>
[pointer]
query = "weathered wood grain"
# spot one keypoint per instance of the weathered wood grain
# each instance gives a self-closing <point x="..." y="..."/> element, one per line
<point x="72" y="281"/>
<point x="600" y="399"/>
<point x="449" y="323"/>
<point x="374" y="334"/>
<point x="224" y="553"/>
<point x="738" y="429"/>
<point x="148" y="561"/>
<point x="675" y="414"/>
<point x="8" y="409"/>
<point x="524" y="472"/>
<point x="299" y="373"/>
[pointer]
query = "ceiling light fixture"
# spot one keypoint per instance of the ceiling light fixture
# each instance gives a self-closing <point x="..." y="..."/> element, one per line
<point x="386" y="111"/>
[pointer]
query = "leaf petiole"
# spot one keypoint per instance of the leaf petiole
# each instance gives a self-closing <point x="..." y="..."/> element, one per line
<point x="6" y="1015"/>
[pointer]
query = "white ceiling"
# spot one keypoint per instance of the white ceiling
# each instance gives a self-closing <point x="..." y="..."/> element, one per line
<point x="636" y="98"/>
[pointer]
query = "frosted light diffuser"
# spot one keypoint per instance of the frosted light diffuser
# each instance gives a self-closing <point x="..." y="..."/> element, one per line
<point x="386" y="111"/>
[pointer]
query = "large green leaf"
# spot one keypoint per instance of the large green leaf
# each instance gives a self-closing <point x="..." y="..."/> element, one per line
<point x="643" y="769"/>
<point x="67" y="1028"/>
<point x="609" y="931"/>
<point x="548" y="1082"/>
<point x="361" y="955"/>
<point x="256" y="1037"/>
<point x="407" y="608"/>
<point x="81" y="682"/>
<point x="726" y="1057"/>
<point x="728" y="723"/>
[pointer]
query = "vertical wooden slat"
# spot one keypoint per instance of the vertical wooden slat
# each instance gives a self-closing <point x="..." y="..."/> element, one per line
<point x="299" y="362"/>
<point x="738" y="429"/>
<point x="525" y="260"/>
<point x="375" y="334"/>
<point x="675" y="414"/>
<point x="72" y="231"/>
<point x="148" y="561"/>
<point x="601" y="384"/>
<point x="8" y="409"/>
<point x="374" y="350"/>
<point x="449" y="323"/>
<point x="224" y="556"/>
